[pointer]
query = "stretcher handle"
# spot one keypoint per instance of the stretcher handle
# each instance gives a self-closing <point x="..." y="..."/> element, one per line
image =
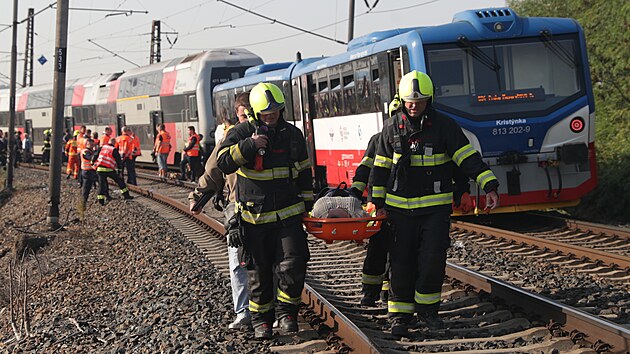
<point x="345" y="220"/>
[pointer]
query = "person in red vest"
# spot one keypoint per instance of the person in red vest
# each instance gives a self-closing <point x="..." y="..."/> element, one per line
<point x="73" y="156"/>
<point x="88" y="171"/>
<point x="125" y="146"/>
<point x="191" y="156"/>
<point x="107" y="162"/>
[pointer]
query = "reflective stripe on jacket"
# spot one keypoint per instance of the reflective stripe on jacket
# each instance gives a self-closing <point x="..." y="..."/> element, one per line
<point x="86" y="161"/>
<point x="413" y="172"/>
<point x="283" y="189"/>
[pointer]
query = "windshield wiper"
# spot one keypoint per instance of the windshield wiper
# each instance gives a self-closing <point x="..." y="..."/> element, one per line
<point x="474" y="51"/>
<point x="557" y="49"/>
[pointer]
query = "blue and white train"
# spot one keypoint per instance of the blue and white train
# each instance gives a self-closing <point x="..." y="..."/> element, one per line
<point x="519" y="87"/>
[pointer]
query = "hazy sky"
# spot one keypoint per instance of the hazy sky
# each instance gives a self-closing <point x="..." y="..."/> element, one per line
<point x="207" y="24"/>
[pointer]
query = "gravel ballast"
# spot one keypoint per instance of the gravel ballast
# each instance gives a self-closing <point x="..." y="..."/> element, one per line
<point x="119" y="280"/>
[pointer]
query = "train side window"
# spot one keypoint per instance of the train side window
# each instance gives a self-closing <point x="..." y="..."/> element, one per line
<point x="297" y="114"/>
<point x="85" y="115"/>
<point x="349" y="102"/>
<point x="192" y="106"/>
<point x="363" y="83"/>
<point x="324" y="102"/>
<point x="4" y="119"/>
<point x="376" y="90"/>
<point x="77" y="114"/>
<point x="312" y="98"/>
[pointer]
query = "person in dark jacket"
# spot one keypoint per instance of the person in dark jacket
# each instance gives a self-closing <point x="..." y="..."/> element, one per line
<point x="107" y="160"/>
<point x="413" y="177"/>
<point x="273" y="190"/>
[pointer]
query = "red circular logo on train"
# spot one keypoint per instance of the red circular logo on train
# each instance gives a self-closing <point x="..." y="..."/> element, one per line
<point x="577" y="124"/>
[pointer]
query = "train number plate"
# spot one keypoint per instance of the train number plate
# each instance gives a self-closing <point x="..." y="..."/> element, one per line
<point x="521" y="129"/>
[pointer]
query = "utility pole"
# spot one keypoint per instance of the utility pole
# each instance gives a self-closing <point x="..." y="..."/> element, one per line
<point x="54" y="181"/>
<point x="28" y="52"/>
<point x="351" y="22"/>
<point x="12" y="139"/>
<point x="156" y="38"/>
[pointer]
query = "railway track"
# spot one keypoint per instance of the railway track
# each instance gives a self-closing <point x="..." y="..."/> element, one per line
<point x="334" y="271"/>
<point x="482" y="314"/>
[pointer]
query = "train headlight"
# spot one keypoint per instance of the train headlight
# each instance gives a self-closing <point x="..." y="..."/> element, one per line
<point x="577" y="124"/>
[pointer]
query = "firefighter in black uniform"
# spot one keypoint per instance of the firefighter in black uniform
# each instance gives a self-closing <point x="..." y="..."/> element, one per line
<point x="273" y="190"/>
<point x="46" y="148"/>
<point x="413" y="185"/>
<point x="375" y="275"/>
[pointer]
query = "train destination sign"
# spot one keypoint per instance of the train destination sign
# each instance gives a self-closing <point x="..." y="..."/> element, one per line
<point x="510" y="96"/>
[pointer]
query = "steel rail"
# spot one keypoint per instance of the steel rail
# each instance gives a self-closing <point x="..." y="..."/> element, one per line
<point x="595" y="327"/>
<point x="608" y="258"/>
<point x="350" y="334"/>
<point x="598" y="228"/>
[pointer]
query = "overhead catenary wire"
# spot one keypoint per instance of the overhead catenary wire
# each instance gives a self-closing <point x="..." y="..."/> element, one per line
<point x="114" y="53"/>
<point x="282" y="23"/>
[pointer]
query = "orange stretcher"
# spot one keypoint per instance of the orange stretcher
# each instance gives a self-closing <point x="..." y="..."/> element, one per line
<point x="337" y="229"/>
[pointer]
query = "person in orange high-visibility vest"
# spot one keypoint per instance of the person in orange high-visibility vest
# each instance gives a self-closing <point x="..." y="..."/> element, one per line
<point x="107" y="134"/>
<point x="125" y="146"/>
<point x="107" y="161"/>
<point x="73" y="157"/>
<point x="162" y="148"/>
<point x="83" y="136"/>
<point x="191" y="156"/>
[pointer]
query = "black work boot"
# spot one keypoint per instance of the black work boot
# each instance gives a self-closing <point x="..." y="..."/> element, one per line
<point x="288" y="324"/>
<point x="263" y="331"/>
<point x="431" y="319"/>
<point x="371" y="293"/>
<point x="400" y="327"/>
<point x="126" y="196"/>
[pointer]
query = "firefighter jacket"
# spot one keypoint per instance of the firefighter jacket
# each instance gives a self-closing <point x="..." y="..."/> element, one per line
<point x="86" y="160"/>
<point x="362" y="175"/>
<point x="283" y="188"/>
<point x="71" y="148"/>
<point x="413" y="173"/>
<point x="47" y="145"/>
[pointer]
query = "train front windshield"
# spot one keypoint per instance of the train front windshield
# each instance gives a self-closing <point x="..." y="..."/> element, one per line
<point x="505" y="78"/>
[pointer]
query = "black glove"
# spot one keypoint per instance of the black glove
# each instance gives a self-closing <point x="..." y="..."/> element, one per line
<point x="218" y="201"/>
<point x="234" y="238"/>
<point x="235" y="235"/>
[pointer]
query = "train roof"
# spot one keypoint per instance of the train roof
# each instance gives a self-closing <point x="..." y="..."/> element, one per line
<point x="284" y="73"/>
<point x="226" y="56"/>
<point x="475" y="25"/>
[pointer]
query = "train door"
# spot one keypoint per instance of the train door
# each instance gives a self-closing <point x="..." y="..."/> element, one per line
<point x="120" y="123"/>
<point x="156" y="119"/>
<point x="28" y="128"/>
<point x="319" y="172"/>
<point x="192" y="112"/>
<point x="69" y="123"/>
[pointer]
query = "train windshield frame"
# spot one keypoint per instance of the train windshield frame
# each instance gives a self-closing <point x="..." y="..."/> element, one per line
<point x="507" y="78"/>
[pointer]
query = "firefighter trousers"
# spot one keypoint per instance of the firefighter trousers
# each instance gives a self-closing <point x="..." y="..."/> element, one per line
<point x="89" y="178"/>
<point x="375" y="275"/>
<point x="73" y="166"/>
<point x="103" y="186"/>
<point x="418" y="247"/>
<point x="279" y="249"/>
